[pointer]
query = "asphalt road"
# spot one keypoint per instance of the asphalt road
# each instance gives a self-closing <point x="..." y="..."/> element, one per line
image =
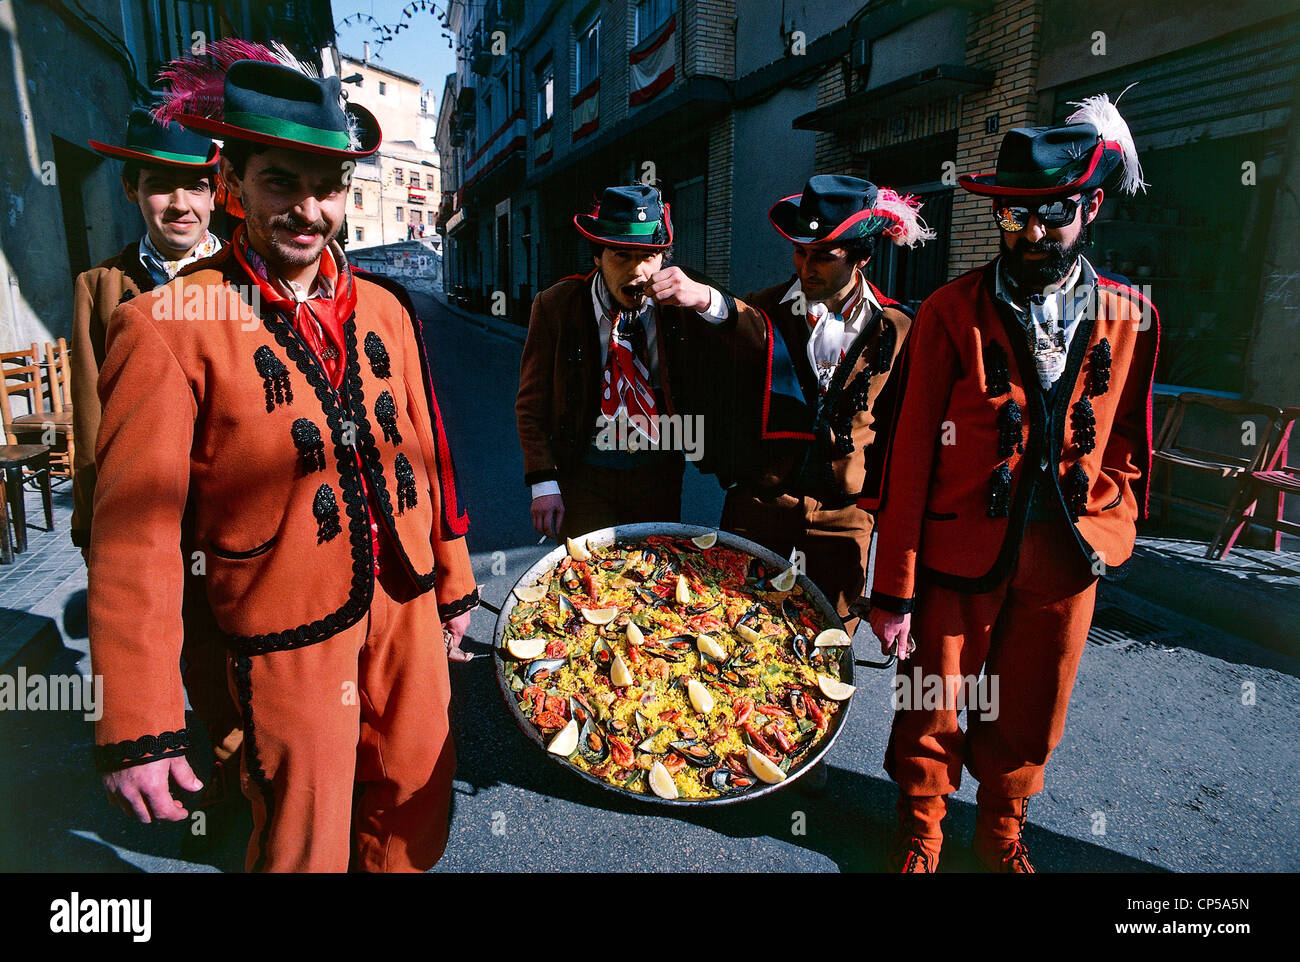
<point x="1163" y="766"/>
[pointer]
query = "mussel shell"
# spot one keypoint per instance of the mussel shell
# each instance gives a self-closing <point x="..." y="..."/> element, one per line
<point x="696" y="753"/>
<point x="797" y="707"/>
<point x="757" y="571"/>
<point x="591" y="732"/>
<point x="645" y="742"/>
<point x="650" y="598"/>
<point x="571" y="580"/>
<point x="725" y="780"/>
<point x="543" y="664"/>
<point x="790" y="611"/>
<point x="701" y="609"/>
<point x="800" y="645"/>
<point x="743" y="659"/>
<point x="614" y="564"/>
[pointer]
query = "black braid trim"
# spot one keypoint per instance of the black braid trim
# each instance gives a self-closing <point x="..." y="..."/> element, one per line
<point x="275" y="378"/>
<point x="1099" y="368"/>
<point x="883" y="354"/>
<point x="1000" y="492"/>
<point x="311" y="450"/>
<point x="1083" y="425"/>
<point x="997" y="372"/>
<point x="1077" y="487"/>
<point x="454" y="609"/>
<point x="140" y="751"/>
<point x="1010" y="430"/>
<point x="243" y="667"/>
<point x="378" y="355"/>
<point x="386" y="415"/>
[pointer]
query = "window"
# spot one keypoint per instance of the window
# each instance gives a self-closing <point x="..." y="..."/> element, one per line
<point x="383" y="88"/>
<point x="651" y="15"/>
<point x="428" y="181"/>
<point x="359" y="233"/>
<point x="356" y="199"/>
<point x="398" y="214"/>
<point x="417" y="217"/>
<point x="545" y="91"/>
<point x="588" y="55"/>
<point x="398" y="174"/>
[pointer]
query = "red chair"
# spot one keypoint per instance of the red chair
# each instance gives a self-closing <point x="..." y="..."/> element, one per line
<point x="1275" y="476"/>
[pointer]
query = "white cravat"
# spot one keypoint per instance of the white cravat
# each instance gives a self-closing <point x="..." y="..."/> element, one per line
<point x="832" y="333"/>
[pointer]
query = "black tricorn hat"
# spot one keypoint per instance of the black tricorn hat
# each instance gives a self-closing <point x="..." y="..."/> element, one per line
<point x="274" y="104"/>
<point x="834" y="208"/>
<point x="631" y="216"/>
<point x="159" y="145"/>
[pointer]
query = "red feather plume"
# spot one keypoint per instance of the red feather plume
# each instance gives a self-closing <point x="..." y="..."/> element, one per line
<point x="197" y="86"/>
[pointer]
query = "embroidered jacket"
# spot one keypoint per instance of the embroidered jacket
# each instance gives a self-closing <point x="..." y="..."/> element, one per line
<point x="221" y="433"/>
<point x="953" y="488"/>
<point x="811" y="443"/>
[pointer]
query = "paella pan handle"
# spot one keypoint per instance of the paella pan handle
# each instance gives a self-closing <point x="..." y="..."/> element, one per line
<point x="887" y="663"/>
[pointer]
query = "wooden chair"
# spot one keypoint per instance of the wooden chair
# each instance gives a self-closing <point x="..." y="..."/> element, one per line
<point x="14" y="458"/>
<point x="1276" y="476"/>
<point x="1171" y="451"/>
<point x="47" y="416"/>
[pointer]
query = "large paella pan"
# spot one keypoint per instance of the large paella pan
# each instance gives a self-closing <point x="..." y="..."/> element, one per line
<point x="674" y="664"/>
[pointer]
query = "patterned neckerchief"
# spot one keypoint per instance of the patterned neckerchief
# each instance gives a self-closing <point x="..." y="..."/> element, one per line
<point x="163" y="270"/>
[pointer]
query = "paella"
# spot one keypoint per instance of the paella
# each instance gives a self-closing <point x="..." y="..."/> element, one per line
<point x="675" y="667"/>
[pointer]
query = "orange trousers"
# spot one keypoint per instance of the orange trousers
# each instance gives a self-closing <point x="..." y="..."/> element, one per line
<point x="348" y="758"/>
<point x="1029" y="634"/>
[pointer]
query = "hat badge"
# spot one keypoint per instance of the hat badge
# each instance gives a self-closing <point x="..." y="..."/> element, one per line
<point x="813" y="225"/>
<point x="640" y="213"/>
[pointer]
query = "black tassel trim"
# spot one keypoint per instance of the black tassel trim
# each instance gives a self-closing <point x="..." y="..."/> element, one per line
<point x="311" y="450"/>
<point x="454" y="609"/>
<point x="138" y="751"/>
<point x="378" y="355"/>
<point x="1077" y="486"/>
<point x="1000" y="492"/>
<point x="883" y="354"/>
<point x="405" y="483"/>
<point x="326" y="509"/>
<point x="386" y="415"/>
<point x="1099" y="368"/>
<point x="997" y="374"/>
<point x="275" y="378"/>
<point x="1010" y="430"/>
<point x="243" y="668"/>
<point x="1083" y="425"/>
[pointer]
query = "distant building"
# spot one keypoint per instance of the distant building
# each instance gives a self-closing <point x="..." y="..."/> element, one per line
<point x="395" y="192"/>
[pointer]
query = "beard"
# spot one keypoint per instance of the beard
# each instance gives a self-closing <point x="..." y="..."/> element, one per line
<point x="276" y="231"/>
<point x="1036" y="275"/>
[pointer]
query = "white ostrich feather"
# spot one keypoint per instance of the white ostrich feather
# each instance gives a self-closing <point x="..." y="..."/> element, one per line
<point x="910" y="229"/>
<point x="1105" y="116"/>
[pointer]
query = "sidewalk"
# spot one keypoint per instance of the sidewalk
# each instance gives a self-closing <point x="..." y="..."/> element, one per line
<point x="485" y="322"/>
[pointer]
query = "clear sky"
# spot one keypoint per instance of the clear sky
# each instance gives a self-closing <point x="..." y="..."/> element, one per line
<point x="419" y="50"/>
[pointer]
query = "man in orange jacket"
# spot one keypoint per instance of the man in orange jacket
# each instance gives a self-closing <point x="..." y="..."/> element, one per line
<point x="1017" y="470"/>
<point x="237" y="439"/>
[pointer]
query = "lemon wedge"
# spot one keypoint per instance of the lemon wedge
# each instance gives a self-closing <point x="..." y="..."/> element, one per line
<point x="763" y="767"/>
<point x="531" y="593"/>
<point x="578" y="552"/>
<point x="526" y="649"/>
<point x="634" y="636"/>
<point x="683" y="592"/>
<point x="749" y="634"/>
<point x="565" y="743"/>
<point x="661" y="783"/>
<point x="699" y="696"/>
<point x="619" y="675"/>
<point x="785" y="580"/>
<point x="705" y="540"/>
<point x="599" y="616"/>
<point x="710" y="647"/>
<point x="833" y="638"/>
<point x="834" y="690"/>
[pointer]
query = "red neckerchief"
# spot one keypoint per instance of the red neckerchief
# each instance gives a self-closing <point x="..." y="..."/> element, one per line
<point x="319" y="319"/>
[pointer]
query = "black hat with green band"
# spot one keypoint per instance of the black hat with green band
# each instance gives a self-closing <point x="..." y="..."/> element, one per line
<point x="272" y="104"/>
<point x="633" y="216"/>
<point x="155" y="145"/>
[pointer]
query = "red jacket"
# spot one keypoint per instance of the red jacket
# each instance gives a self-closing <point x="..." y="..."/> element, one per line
<point x="952" y="493"/>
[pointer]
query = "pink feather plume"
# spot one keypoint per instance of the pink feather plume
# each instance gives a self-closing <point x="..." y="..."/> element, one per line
<point x="908" y="230"/>
<point x="196" y="85"/>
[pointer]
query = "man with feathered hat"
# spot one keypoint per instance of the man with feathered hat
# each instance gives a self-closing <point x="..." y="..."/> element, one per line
<point x="271" y="415"/>
<point x="609" y="354"/>
<point x="170" y="173"/>
<point x="1016" y="470"/>
<point x="834" y="339"/>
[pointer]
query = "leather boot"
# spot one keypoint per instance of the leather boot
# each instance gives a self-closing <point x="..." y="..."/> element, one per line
<point x="999" y="828"/>
<point x="919" y="838"/>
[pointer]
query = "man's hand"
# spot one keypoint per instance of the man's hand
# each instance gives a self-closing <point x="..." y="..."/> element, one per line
<point x="452" y="632"/>
<point x="548" y="514"/>
<point x="893" y="631"/>
<point x="144" y="790"/>
<point x="672" y="286"/>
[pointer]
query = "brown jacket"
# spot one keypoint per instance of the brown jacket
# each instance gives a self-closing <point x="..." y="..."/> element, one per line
<point x="819" y="449"/>
<point x="222" y="433"/>
<point x="972" y="428"/>
<point x="98" y="293"/>
<point x="560" y="374"/>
